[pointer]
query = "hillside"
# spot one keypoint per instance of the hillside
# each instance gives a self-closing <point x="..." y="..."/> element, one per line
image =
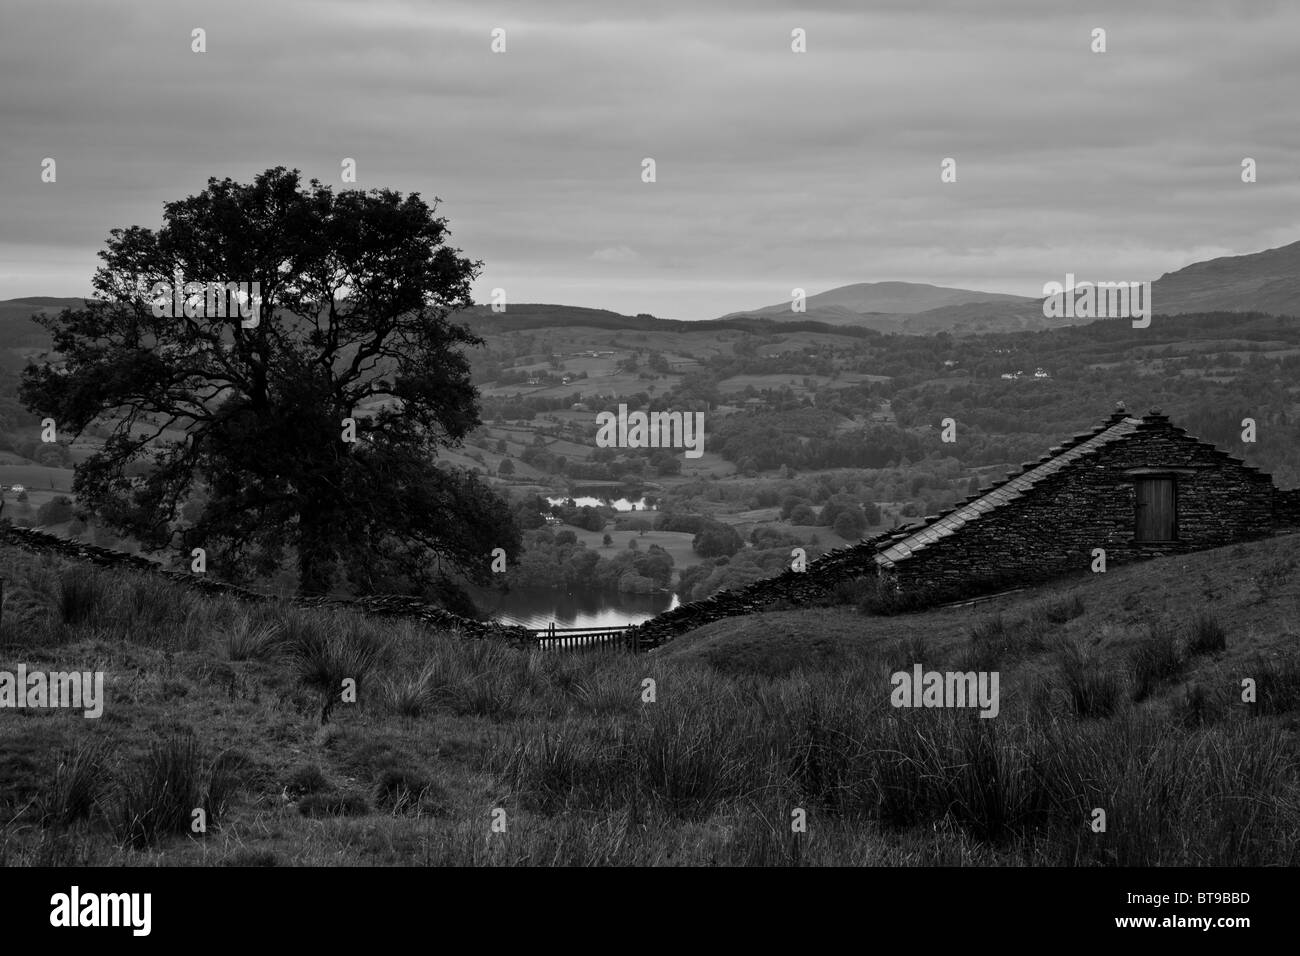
<point x="1267" y="281"/>
<point x="880" y="300"/>
<point x="210" y="703"/>
<point x="1255" y="587"/>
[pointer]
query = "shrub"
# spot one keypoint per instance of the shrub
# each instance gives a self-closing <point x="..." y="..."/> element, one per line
<point x="55" y="511"/>
<point x="307" y="780"/>
<point x="1062" y="609"/>
<point x="850" y="525"/>
<point x="403" y="790"/>
<point x="803" y="515"/>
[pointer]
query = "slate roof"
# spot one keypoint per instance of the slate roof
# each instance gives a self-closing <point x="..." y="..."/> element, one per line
<point x="906" y="543"/>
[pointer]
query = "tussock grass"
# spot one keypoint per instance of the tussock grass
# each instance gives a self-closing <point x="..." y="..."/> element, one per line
<point x="1200" y="704"/>
<point x="333" y="649"/>
<point x="334" y="805"/>
<point x="1092" y="688"/>
<point x="159" y="799"/>
<point x="1273" y="574"/>
<point x="307" y="780"/>
<point x="1278" y="684"/>
<point x="1025" y="786"/>
<point x="1060" y="610"/>
<point x="591" y="774"/>
<point x="1206" y="635"/>
<point x="80" y="595"/>
<point x="1157" y="660"/>
<point x="249" y="639"/>
<point x="996" y="642"/>
<point x="414" y="694"/>
<point x="77" y="787"/>
<point x="404" y="790"/>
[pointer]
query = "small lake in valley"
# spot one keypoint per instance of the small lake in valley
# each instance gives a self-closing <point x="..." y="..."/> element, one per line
<point x="618" y="504"/>
<point x="537" y="608"/>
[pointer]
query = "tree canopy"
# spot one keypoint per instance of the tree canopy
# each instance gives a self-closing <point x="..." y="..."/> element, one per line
<point x="308" y="429"/>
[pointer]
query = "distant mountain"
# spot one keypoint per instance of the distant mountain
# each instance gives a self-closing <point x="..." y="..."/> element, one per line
<point x="23" y="308"/>
<point x="16" y="328"/>
<point x="915" y="307"/>
<point x="1266" y="281"/>
<point x="891" y="298"/>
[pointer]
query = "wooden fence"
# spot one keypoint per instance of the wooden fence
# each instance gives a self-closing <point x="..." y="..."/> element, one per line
<point x="600" y="639"/>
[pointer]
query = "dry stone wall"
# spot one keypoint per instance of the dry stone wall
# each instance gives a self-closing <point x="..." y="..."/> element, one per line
<point x="385" y="605"/>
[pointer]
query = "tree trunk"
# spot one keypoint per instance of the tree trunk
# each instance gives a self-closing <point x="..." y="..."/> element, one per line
<point x="316" y="554"/>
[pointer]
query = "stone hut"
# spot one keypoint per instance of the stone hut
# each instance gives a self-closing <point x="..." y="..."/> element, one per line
<point x="1133" y="487"/>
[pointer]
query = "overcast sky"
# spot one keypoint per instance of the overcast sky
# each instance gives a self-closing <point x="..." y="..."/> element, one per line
<point x="774" y="169"/>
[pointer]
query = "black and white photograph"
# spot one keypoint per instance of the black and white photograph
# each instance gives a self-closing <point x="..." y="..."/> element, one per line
<point x="489" y="435"/>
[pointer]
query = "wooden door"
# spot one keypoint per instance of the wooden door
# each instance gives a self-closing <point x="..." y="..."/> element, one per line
<point x="1157" y="510"/>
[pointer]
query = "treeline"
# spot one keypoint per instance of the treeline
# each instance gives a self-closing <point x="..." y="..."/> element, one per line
<point x="729" y="573"/>
<point x="530" y="317"/>
<point x="811" y="439"/>
<point x="559" y="560"/>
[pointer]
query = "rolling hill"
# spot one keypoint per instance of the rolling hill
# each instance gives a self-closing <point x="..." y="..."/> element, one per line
<point x="892" y="298"/>
<point x="1267" y="281"/>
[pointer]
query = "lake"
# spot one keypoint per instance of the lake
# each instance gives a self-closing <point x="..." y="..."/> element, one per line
<point x="589" y="607"/>
<point x="586" y="501"/>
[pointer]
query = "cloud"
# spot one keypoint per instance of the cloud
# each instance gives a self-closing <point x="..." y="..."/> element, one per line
<point x="616" y="254"/>
<point x="774" y="169"/>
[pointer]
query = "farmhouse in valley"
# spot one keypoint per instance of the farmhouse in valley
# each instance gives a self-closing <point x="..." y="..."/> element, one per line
<point x="1134" y="487"/>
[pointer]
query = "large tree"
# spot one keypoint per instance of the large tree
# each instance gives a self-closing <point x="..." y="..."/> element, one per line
<point x="247" y="415"/>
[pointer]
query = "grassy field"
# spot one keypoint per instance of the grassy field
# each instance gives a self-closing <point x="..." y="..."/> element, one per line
<point x="1119" y="692"/>
<point x="36" y="477"/>
<point x="676" y="543"/>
